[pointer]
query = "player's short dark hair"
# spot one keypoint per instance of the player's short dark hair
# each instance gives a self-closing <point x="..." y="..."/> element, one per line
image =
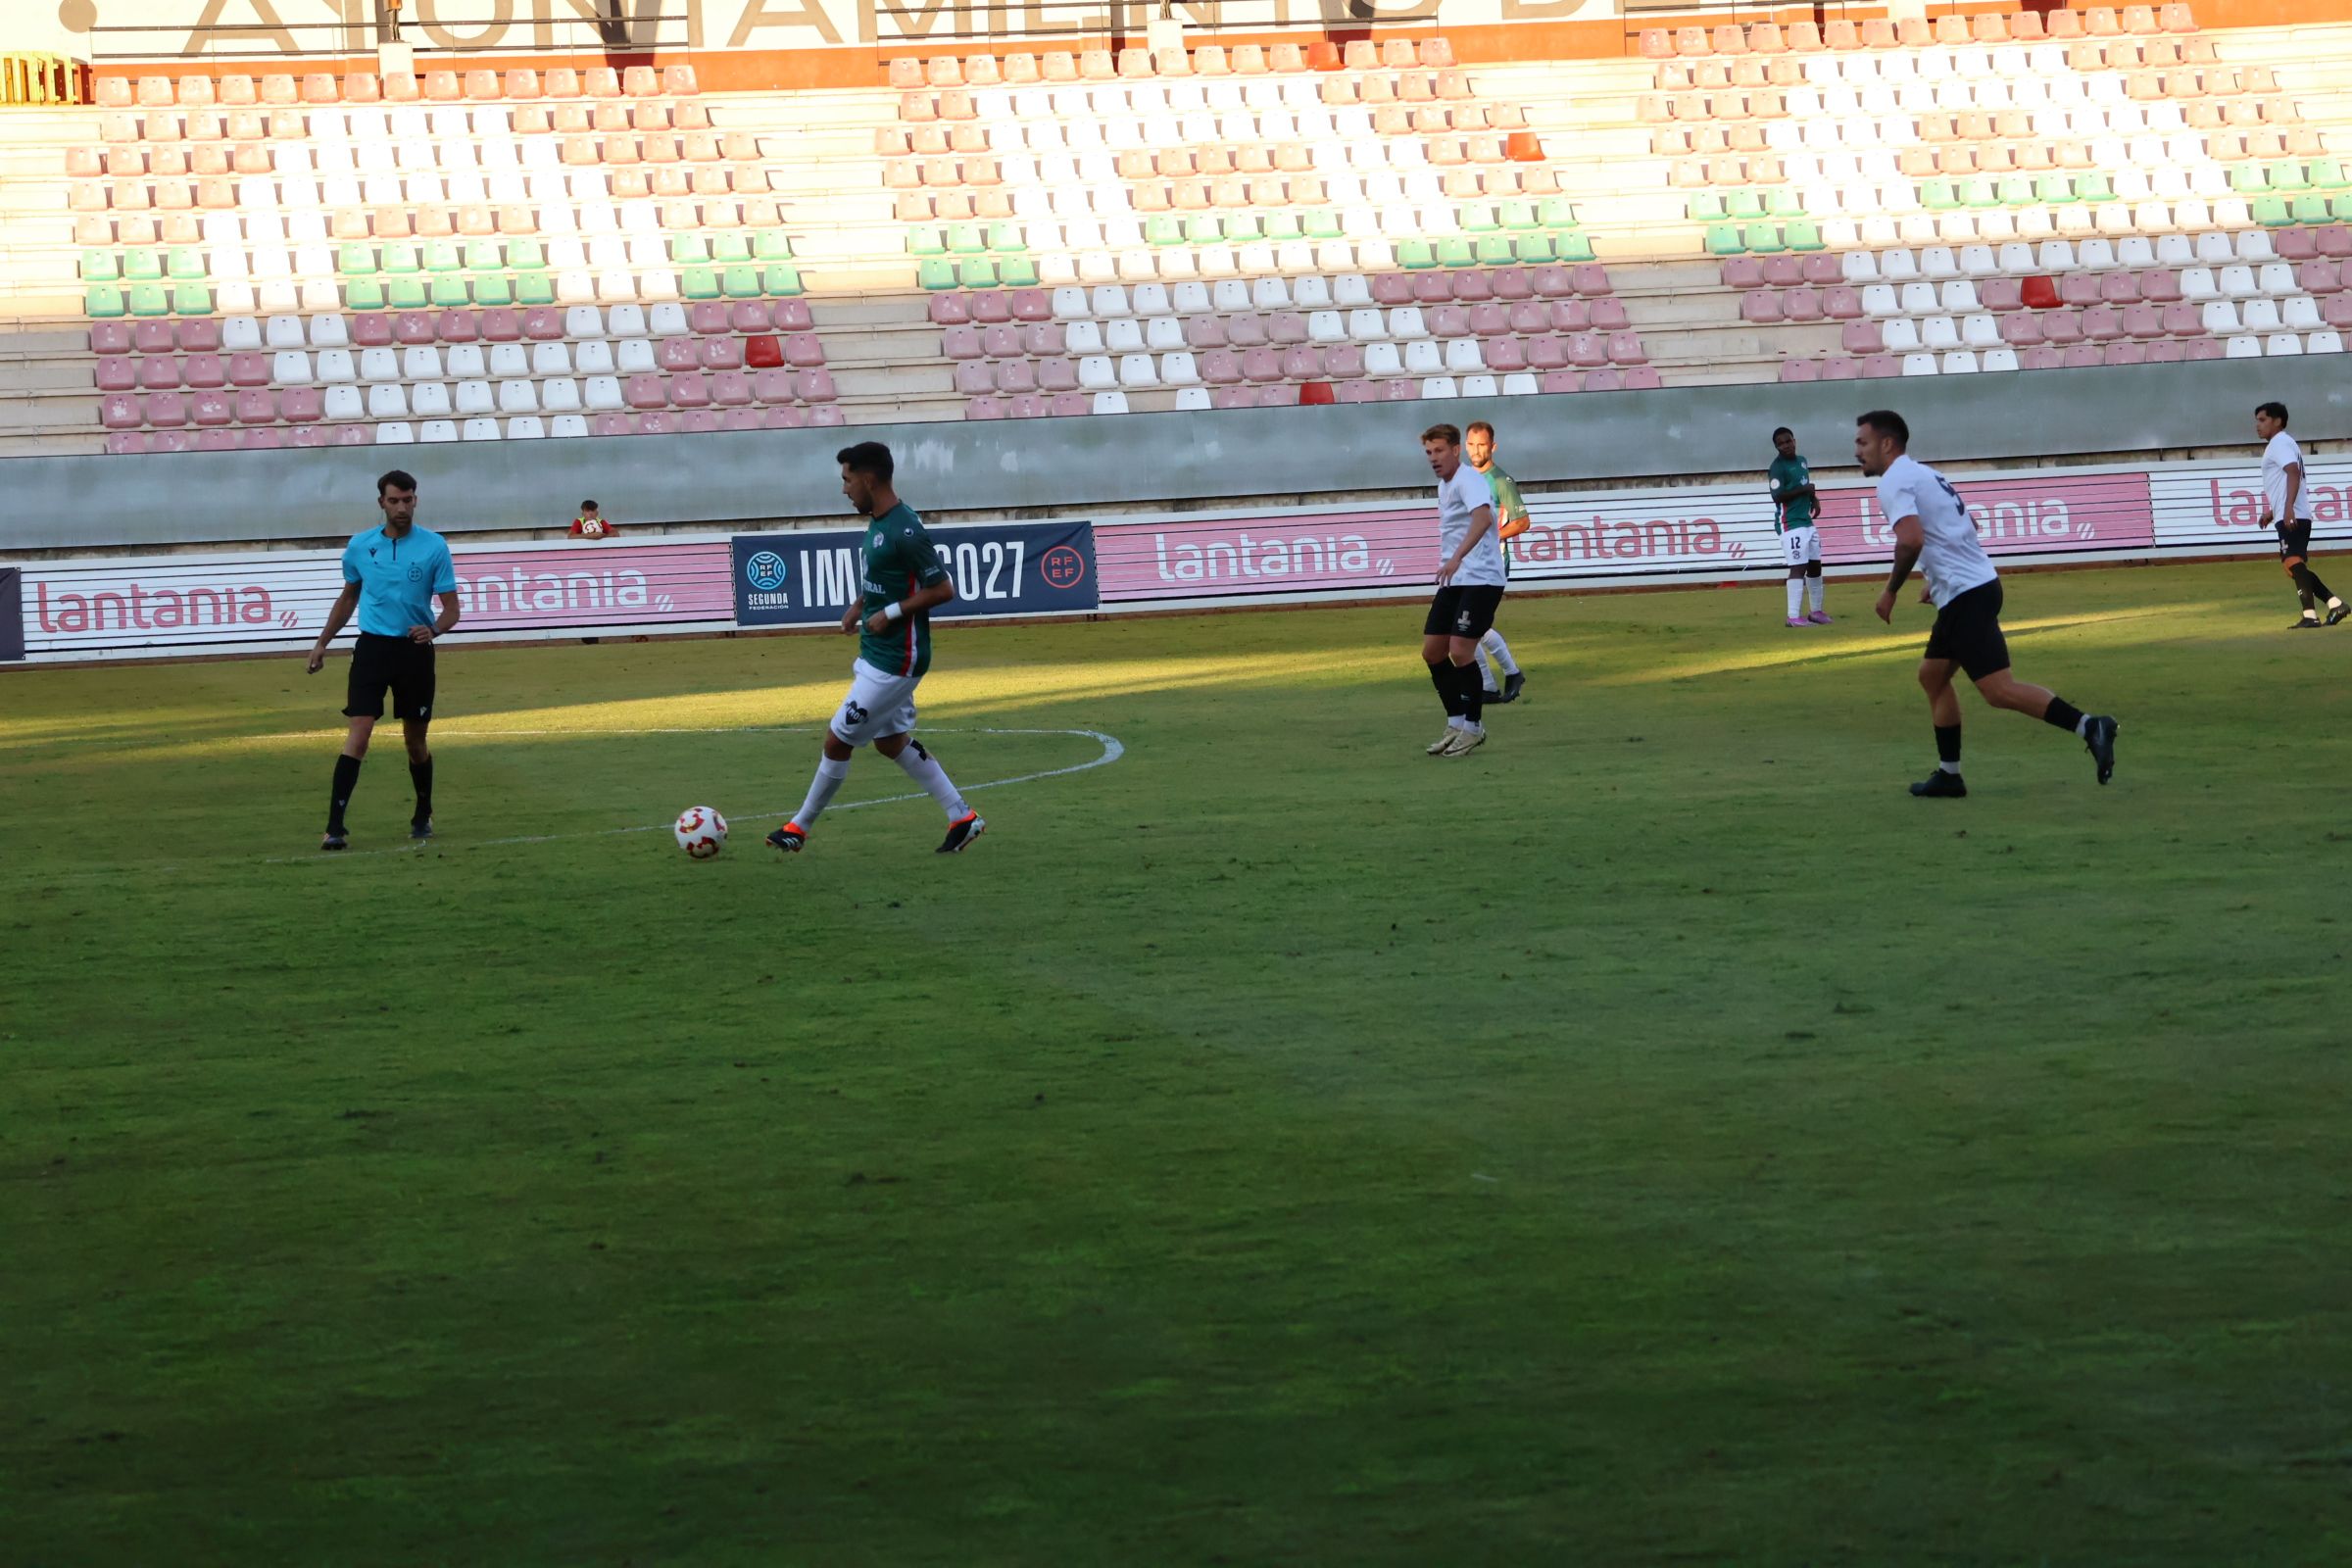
<point x="1443" y="432"/>
<point x="1779" y="430"/>
<point x="869" y="458"/>
<point x="1887" y="423"/>
<point x="1476" y="425"/>
<point x="587" y="506"/>
<point x="397" y="479"/>
<point x="2273" y="410"/>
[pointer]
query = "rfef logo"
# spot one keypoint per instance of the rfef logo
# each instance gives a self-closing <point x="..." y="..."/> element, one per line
<point x="766" y="571"/>
<point x="1062" y="568"/>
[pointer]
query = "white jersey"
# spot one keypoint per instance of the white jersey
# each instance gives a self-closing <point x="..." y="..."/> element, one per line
<point x="2281" y="454"/>
<point x="1953" y="558"/>
<point x="1458" y="498"/>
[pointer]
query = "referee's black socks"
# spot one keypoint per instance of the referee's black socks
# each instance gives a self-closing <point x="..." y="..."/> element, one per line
<point x="421" y="775"/>
<point x="347" y="779"/>
<point x="2064" y="714"/>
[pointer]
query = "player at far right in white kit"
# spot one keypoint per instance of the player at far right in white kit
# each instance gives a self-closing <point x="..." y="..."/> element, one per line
<point x="1933" y="529"/>
<point x="904" y="581"/>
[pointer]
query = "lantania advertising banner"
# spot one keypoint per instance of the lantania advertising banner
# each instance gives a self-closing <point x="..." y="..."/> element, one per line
<point x="1008" y="568"/>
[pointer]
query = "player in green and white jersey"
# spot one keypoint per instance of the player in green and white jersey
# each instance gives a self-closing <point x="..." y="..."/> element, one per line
<point x="1794" y="508"/>
<point x="1510" y="521"/>
<point x="903" y="581"/>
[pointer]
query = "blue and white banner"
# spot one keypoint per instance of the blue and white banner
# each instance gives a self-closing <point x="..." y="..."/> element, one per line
<point x="1000" y="569"/>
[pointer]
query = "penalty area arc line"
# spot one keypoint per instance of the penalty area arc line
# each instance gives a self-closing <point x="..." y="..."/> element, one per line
<point x="1112" y="751"/>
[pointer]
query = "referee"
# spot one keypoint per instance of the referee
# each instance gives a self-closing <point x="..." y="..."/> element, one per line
<point x="391" y="575"/>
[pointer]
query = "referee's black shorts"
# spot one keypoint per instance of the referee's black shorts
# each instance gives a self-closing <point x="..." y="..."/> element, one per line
<point x="1968" y="631"/>
<point x="1463" y="609"/>
<point x="405" y="667"/>
<point x="2294" y="541"/>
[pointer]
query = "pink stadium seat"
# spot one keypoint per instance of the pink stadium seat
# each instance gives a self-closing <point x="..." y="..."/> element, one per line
<point x="1608" y="315"/>
<point x="1862" y="338"/>
<point x="645" y="391"/>
<point x="1798" y="370"/>
<point x="2078" y="288"/>
<point x="1056" y="373"/>
<point x="689" y="391"/>
<point x="248" y="370"/>
<point x="2180" y="318"/>
<point x="216" y="441"/>
<point x="960" y="343"/>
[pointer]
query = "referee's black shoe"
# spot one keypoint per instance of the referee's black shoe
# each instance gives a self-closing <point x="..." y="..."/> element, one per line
<point x="1512" y="685"/>
<point x="2099" y="736"/>
<point x="422" y="829"/>
<point x="336" y="839"/>
<point x="1941" y="785"/>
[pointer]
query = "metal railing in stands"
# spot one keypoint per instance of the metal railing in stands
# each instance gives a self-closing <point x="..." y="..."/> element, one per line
<point x="1043" y="23"/>
<point x="643" y="25"/>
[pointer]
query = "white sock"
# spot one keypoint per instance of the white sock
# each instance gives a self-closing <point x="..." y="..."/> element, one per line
<point x="2311" y="614"/>
<point x="1797" y="597"/>
<point x="1500" y="651"/>
<point x="2333" y="602"/>
<point x="1813" y="586"/>
<point x="821" y="790"/>
<point x="1457" y="722"/>
<point x="1949" y="767"/>
<point x="922" y="767"/>
<point x="2082" y="726"/>
<point x="1486" y="675"/>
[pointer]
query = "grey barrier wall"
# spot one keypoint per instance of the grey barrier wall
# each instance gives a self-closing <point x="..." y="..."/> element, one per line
<point x="1043" y="466"/>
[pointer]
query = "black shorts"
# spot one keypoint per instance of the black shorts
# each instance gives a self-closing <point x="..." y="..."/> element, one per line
<point x="1968" y="630"/>
<point x="404" y="667"/>
<point x="2294" y="541"/>
<point x="1463" y="609"/>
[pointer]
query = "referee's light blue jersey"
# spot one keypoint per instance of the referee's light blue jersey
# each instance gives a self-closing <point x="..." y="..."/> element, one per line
<point x="398" y="578"/>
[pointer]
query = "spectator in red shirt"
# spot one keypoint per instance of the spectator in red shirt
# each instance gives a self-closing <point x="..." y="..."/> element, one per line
<point x="591" y="524"/>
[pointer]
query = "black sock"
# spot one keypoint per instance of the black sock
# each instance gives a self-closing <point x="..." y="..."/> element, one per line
<point x="2317" y="588"/>
<point x="2307" y="583"/>
<point x="1450" y="690"/>
<point x="421" y="775"/>
<point x="2063" y="713"/>
<point x="347" y="779"/>
<point x="1948" y="743"/>
<point x="1474" y="690"/>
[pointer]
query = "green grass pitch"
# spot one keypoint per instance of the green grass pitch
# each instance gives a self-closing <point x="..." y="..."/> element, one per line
<point x="1656" y="1139"/>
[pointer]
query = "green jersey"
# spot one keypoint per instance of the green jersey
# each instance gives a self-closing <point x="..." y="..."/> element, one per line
<point x="1510" y="508"/>
<point x="899" y="559"/>
<point x="1791" y="511"/>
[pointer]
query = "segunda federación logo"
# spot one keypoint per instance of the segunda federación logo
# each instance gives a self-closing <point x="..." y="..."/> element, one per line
<point x="766" y="571"/>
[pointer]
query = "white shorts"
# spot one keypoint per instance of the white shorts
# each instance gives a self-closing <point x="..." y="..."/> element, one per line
<point x="1800" y="546"/>
<point x="878" y="707"/>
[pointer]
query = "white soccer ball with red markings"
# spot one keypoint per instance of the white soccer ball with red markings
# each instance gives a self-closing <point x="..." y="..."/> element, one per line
<point x="702" y="832"/>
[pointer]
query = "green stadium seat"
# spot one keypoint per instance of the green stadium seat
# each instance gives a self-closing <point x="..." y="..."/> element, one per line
<point x="450" y="293"/>
<point x="1516" y="216"/>
<point x="363" y="294"/>
<point x="1743" y="207"/>
<point x="963" y="239"/>
<point x="191" y="299"/>
<point x="2311" y="208"/>
<point x="1723" y="239"/>
<point x="1455" y="250"/>
<point x="2015" y="192"/>
<point x="740" y="283"/>
<point x="1016" y="272"/>
<point x="768" y="245"/>
<point x="2095" y="188"/>
<point x="398" y="259"/>
<point x="1978" y="193"/>
<point x="1939" y="196"/>
<point x="1477" y="217"/>
<point x="698" y="283"/>
<point x="1763" y="239"/>
<point x="410" y="294"/>
<point x="1555" y="211"/>
<point x="731" y="249"/>
<point x="443" y="256"/>
<point x="1322" y="223"/>
<point x="2249" y="180"/>
<point x="1204" y="228"/>
<point x="1163" y="228"/>
<point x="1240" y="228"/>
<point x="936" y="273"/>
<point x="1706" y="207"/>
<point x="2342" y="206"/>
<point x="1573" y="247"/>
<point x="1805" y="235"/>
<point x="926" y="241"/>
<point x="1415" y="256"/>
<point x="482" y="256"/>
<point x="526" y="256"/>
<point x="150" y="299"/>
<point x="980" y="273"/>
<point x="2327" y="174"/>
<point x="1284" y="226"/>
<point x="534" y="288"/>
<point x="692" y="250"/>
<point x="142" y="266"/>
<point x="356" y="261"/>
<point x="2290" y="176"/>
<point x="2272" y="211"/>
<point x="1783" y="202"/>
<point x="493" y="290"/>
<point x="99" y="267"/>
<point x="2055" y="190"/>
<point x="1006" y="239"/>
<point x="780" y="280"/>
<point x="1495" y="250"/>
<point x="103" y="301"/>
<point x="1536" y="249"/>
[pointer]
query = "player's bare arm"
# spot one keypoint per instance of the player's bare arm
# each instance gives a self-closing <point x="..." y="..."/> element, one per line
<point x="442" y="622"/>
<point x="1480" y="521"/>
<point x="2295" y="491"/>
<point x="1909" y="539"/>
<point x="914" y="604"/>
<point x="337" y="613"/>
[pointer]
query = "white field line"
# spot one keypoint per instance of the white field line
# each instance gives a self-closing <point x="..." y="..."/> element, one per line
<point x="1112" y="751"/>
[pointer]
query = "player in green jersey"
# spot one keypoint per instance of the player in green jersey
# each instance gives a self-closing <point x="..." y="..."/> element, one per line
<point x="903" y="581"/>
<point x="1510" y="521"/>
<point x="1794" y="508"/>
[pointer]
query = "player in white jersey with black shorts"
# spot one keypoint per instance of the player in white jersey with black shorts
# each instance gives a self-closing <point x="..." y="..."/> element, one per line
<point x="1470" y="581"/>
<point x="1934" y="531"/>
<point x="2286" y="505"/>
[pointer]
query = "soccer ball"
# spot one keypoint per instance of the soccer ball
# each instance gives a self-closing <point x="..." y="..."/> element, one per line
<point x="702" y="832"/>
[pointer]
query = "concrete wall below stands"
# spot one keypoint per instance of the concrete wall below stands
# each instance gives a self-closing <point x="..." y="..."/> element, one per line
<point x="1060" y="467"/>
